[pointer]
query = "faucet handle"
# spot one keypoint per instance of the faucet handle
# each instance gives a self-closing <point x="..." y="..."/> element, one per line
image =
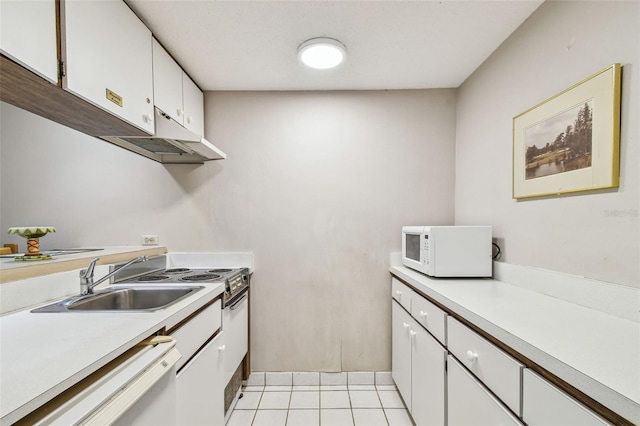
<point x="88" y="273"/>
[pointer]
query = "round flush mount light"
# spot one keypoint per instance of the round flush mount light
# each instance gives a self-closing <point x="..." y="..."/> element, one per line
<point x="322" y="53"/>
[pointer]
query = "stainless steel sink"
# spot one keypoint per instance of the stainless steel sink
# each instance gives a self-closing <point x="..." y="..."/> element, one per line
<point x="124" y="299"/>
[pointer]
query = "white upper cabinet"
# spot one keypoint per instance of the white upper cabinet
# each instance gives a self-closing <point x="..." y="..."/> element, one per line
<point x="193" y="106"/>
<point x="174" y="92"/>
<point x="28" y="35"/>
<point x="167" y="83"/>
<point x="418" y="367"/>
<point x="107" y="52"/>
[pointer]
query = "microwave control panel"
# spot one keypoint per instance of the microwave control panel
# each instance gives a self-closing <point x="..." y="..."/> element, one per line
<point x="425" y="247"/>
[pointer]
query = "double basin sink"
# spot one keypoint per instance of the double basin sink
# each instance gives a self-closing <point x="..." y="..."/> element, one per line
<point x="125" y="298"/>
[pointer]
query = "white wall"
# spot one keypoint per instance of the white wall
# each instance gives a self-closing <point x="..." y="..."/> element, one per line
<point x="591" y="234"/>
<point x="316" y="184"/>
<point x="94" y="193"/>
<point x="323" y="184"/>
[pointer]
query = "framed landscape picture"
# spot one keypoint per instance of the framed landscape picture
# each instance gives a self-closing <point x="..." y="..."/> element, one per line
<point x="570" y="142"/>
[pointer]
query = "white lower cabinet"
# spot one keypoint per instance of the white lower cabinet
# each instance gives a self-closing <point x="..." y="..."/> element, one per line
<point x="470" y="403"/>
<point x="450" y="374"/>
<point x="401" y="351"/>
<point x="428" y="385"/>
<point x="418" y="368"/>
<point x="544" y="404"/>
<point x="200" y="387"/>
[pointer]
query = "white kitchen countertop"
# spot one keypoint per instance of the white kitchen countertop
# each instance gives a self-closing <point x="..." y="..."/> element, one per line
<point x="43" y="354"/>
<point x="596" y="352"/>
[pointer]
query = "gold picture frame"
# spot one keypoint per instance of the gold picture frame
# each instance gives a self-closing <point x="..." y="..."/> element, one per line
<point x="571" y="141"/>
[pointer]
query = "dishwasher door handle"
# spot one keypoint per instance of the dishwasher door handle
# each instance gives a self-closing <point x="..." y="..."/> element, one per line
<point x="235" y="304"/>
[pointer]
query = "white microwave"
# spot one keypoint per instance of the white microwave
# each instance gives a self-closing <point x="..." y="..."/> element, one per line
<point x="448" y="251"/>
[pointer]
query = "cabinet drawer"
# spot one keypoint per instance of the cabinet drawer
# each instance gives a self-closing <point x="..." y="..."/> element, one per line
<point x="469" y="403"/>
<point x="497" y="370"/>
<point x="193" y="334"/>
<point x="401" y="293"/>
<point x="544" y="404"/>
<point x="430" y="317"/>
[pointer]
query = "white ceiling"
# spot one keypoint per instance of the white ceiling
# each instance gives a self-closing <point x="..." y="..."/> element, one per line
<point x="252" y="45"/>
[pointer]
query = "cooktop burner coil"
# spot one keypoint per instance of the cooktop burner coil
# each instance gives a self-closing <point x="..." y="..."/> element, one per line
<point x="152" y="278"/>
<point x="177" y="271"/>
<point x="201" y="277"/>
<point x="220" y="271"/>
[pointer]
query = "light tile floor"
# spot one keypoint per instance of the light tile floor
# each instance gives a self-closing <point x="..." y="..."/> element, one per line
<point x="340" y="405"/>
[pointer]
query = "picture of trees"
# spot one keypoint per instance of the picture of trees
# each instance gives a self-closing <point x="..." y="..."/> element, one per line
<point x="561" y="143"/>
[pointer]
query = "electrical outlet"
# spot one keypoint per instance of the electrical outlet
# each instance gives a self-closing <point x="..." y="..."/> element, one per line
<point x="150" y="240"/>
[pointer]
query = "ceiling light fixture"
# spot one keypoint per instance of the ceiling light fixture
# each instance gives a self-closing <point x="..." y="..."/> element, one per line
<point x="322" y="53"/>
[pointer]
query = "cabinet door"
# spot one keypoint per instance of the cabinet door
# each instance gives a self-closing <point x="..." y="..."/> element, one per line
<point x="167" y="83"/>
<point x="544" y="404"/>
<point x="200" y="387"/>
<point x="193" y="101"/>
<point x="28" y="35"/>
<point x="401" y="351"/>
<point x="108" y="59"/>
<point x="469" y="403"/>
<point x="428" y="380"/>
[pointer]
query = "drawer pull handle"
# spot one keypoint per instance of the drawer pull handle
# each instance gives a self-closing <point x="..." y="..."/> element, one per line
<point x="472" y="356"/>
<point x="412" y="333"/>
<point x="222" y="348"/>
<point x="398" y="293"/>
<point x="406" y="325"/>
<point x="423" y="314"/>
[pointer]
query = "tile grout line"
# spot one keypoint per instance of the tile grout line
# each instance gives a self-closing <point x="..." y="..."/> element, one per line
<point x="286" y="417"/>
<point x="353" y="417"/>
<point x="253" y="419"/>
<point x="384" y="413"/>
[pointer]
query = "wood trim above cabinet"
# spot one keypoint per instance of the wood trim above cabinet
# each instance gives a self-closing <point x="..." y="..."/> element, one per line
<point x="26" y="90"/>
<point x="62" y="264"/>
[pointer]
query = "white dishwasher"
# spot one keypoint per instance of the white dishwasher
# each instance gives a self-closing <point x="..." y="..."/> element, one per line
<point x="139" y="387"/>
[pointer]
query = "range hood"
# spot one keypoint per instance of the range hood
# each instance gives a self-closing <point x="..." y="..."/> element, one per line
<point x="172" y="143"/>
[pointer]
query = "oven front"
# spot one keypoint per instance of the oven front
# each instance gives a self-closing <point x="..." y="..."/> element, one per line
<point x="235" y="323"/>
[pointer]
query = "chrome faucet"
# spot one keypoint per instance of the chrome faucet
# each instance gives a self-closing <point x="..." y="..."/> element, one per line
<point x="86" y="275"/>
